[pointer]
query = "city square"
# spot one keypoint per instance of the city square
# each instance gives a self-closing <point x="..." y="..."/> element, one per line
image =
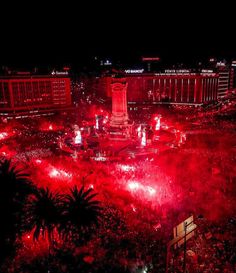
<point x="117" y="137"/>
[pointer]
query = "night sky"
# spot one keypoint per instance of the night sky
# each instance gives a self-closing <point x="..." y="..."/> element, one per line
<point x="45" y="34"/>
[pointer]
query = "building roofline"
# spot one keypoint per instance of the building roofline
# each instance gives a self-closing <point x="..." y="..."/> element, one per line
<point x="13" y="77"/>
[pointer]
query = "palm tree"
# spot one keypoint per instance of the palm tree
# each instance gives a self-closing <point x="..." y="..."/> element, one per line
<point x="81" y="212"/>
<point x="43" y="214"/>
<point x="15" y="182"/>
<point x="15" y="188"/>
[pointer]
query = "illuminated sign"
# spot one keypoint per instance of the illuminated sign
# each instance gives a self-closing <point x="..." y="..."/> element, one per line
<point x="177" y="71"/>
<point x="107" y="62"/>
<point x="212" y="60"/>
<point x="220" y="64"/>
<point x="150" y="59"/>
<point x="59" y="73"/>
<point x="207" y="71"/>
<point x="208" y="74"/>
<point x="233" y="63"/>
<point x="134" y="71"/>
<point x="23" y="73"/>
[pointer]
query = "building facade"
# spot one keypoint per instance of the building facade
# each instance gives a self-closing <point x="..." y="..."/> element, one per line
<point x="224" y="81"/>
<point x="233" y="75"/>
<point x="168" y="87"/>
<point x="28" y="93"/>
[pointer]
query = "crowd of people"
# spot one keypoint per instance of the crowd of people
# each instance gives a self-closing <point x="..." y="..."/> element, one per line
<point x="143" y="200"/>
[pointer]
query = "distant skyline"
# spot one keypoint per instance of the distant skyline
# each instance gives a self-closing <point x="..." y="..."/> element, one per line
<point x="71" y="34"/>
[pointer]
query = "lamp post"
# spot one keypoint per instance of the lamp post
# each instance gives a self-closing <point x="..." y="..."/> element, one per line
<point x="182" y="232"/>
<point x="185" y="246"/>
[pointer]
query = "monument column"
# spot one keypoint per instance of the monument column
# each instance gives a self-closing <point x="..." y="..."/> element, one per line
<point x="119" y="102"/>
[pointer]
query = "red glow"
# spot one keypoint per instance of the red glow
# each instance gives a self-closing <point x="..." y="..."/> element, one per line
<point x="148" y="191"/>
<point x="48" y="126"/>
<point x="59" y="174"/>
<point x="126" y="168"/>
<point x="187" y="166"/>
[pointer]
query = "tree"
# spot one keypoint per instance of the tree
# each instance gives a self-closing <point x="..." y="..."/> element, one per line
<point x="81" y="213"/>
<point x="15" y="188"/>
<point x="15" y="182"/>
<point x="43" y="213"/>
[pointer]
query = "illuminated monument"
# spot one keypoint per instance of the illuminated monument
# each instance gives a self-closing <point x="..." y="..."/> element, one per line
<point x="120" y="128"/>
<point x="119" y="116"/>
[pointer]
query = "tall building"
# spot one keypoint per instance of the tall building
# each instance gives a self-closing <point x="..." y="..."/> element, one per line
<point x="225" y="72"/>
<point x="233" y="75"/>
<point x="224" y="79"/>
<point x="27" y="94"/>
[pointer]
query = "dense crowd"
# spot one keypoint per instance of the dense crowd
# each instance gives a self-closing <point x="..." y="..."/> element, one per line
<point x="143" y="199"/>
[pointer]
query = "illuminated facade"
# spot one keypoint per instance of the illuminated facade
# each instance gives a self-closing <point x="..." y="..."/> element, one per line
<point x="169" y="87"/>
<point x="226" y="75"/>
<point x="28" y="93"/>
<point x="224" y="82"/>
<point x="233" y="75"/>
